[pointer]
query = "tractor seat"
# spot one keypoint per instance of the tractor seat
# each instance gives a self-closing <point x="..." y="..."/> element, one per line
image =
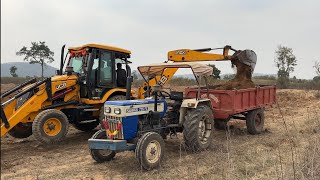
<point x="176" y="96"/>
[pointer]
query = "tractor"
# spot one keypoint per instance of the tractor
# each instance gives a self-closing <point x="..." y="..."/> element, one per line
<point x="89" y="75"/>
<point x="142" y="125"/>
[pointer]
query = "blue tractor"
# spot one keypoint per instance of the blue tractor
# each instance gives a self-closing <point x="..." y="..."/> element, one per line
<point x="142" y="125"/>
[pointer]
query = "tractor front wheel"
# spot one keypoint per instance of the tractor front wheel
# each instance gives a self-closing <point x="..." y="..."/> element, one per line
<point x="50" y="126"/>
<point x="150" y="150"/>
<point x="103" y="154"/>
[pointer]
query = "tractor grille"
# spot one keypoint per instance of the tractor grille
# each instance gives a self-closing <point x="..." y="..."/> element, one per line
<point x="113" y="124"/>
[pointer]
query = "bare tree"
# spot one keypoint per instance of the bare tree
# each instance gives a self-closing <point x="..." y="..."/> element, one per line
<point x="37" y="54"/>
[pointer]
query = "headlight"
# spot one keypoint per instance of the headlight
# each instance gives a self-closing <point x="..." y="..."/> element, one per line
<point x="117" y="110"/>
<point x="107" y="109"/>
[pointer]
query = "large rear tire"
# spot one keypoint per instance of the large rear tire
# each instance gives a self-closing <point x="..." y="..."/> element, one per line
<point x="150" y="150"/>
<point x="198" y="128"/>
<point x="255" y="121"/>
<point x="50" y="126"/>
<point x="21" y="130"/>
<point x="101" y="155"/>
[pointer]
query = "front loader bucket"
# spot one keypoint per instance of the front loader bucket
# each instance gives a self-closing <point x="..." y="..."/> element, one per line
<point x="11" y="114"/>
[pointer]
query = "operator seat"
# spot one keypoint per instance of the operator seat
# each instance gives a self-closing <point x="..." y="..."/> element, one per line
<point x="121" y="76"/>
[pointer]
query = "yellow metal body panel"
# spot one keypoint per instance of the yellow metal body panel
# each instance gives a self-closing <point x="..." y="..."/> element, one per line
<point x="100" y="46"/>
<point x="187" y="55"/>
<point x="105" y="97"/>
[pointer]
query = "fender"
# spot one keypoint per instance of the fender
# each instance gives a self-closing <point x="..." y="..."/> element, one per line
<point x="106" y="96"/>
<point x="191" y="104"/>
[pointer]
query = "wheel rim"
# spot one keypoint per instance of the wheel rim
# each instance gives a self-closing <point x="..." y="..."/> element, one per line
<point x="153" y="151"/>
<point x="204" y="129"/>
<point x="52" y="126"/>
<point x="257" y="120"/>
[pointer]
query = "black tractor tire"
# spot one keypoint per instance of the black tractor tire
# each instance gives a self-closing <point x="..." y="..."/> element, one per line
<point x="50" y="126"/>
<point x="101" y="155"/>
<point x="150" y="150"/>
<point x="220" y="124"/>
<point x="21" y="130"/>
<point x="255" y="121"/>
<point x="86" y="127"/>
<point x="191" y="126"/>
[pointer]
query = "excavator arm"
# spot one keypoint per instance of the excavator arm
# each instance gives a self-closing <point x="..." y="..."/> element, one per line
<point x="188" y="55"/>
<point x="185" y="55"/>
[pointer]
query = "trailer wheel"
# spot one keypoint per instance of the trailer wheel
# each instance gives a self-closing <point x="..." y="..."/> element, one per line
<point x="198" y="130"/>
<point x="86" y="126"/>
<point x="220" y="124"/>
<point x="50" y="126"/>
<point x="21" y="130"/>
<point x="255" y="121"/>
<point x="150" y="150"/>
<point x="103" y="154"/>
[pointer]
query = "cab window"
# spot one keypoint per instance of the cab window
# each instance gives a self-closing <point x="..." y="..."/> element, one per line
<point x="105" y="68"/>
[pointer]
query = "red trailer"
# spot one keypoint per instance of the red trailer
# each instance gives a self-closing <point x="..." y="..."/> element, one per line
<point x="245" y="104"/>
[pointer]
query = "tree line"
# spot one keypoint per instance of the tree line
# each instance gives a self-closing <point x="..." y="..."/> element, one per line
<point x="285" y="60"/>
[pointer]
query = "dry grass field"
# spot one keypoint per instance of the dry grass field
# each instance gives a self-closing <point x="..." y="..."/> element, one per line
<point x="288" y="148"/>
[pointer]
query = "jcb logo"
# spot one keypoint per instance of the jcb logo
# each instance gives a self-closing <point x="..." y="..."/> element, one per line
<point x="181" y="52"/>
<point x="60" y="86"/>
<point x="163" y="80"/>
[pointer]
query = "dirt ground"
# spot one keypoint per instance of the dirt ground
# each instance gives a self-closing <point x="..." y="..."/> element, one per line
<point x="287" y="148"/>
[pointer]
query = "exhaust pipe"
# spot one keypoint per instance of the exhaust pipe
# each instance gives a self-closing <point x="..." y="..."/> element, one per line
<point x="61" y="60"/>
<point x="129" y="82"/>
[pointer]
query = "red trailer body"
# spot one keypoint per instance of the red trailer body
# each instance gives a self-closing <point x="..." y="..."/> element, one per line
<point x="227" y="103"/>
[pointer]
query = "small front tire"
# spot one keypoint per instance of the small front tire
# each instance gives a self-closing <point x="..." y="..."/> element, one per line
<point x="150" y="150"/>
<point x="101" y="155"/>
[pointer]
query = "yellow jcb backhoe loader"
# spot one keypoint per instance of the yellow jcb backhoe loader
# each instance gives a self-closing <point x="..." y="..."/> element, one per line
<point x="92" y="75"/>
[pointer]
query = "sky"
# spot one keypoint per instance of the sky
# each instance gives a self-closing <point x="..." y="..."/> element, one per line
<point x="149" y="28"/>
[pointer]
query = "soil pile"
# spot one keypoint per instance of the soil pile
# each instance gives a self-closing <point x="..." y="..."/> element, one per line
<point x="242" y="80"/>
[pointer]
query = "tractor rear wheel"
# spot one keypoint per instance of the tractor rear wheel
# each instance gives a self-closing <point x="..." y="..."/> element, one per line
<point x="50" y="126"/>
<point x="150" y="150"/>
<point x="198" y="128"/>
<point x="255" y="121"/>
<point x="103" y="154"/>
<point x="21" y="130"/>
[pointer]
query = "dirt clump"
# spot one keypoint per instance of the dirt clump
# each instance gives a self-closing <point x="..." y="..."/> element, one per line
<point x="242" y="80"/>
